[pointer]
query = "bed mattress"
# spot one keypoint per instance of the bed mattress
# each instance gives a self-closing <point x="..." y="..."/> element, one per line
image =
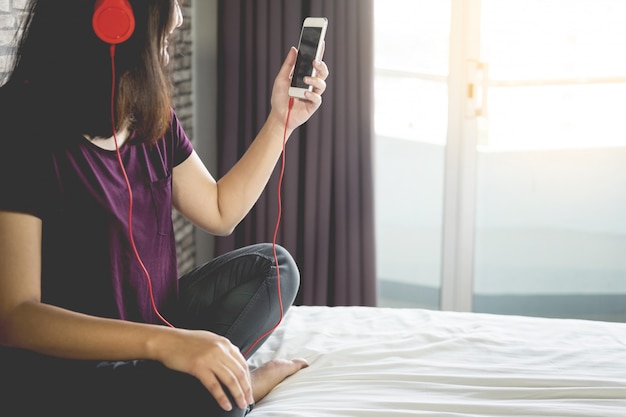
<point x="367" y="362"/>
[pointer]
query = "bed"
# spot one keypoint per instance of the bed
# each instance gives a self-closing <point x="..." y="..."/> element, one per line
<point x="384" y="362"/>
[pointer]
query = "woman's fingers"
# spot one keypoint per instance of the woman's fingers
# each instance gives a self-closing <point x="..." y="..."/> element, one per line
<point x="213" y="385"/>
<point x="318" y="82"/>
<point x="222" y="369"/>
<point x="231" y="377"/>
<point x="319" y="85"/>
<point x="288" y="64"/>
<point x="322" y="69"/>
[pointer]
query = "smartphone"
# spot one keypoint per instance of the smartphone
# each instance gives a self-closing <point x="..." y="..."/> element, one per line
<point x="309" y="49"/>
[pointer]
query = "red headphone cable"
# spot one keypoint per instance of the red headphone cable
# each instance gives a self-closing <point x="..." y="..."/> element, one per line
<point x="280" y="210"/>
<point x="130" y="194"/>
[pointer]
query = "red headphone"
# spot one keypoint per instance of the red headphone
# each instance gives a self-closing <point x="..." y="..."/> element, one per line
<point x="113" y="21"/>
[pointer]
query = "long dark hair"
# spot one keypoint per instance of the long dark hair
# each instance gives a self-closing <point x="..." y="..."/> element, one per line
<point x="66" y="69"/>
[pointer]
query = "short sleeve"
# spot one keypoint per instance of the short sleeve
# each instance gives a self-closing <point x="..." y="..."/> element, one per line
<point x="22" y="169"/>
<point x="182" y="145"/>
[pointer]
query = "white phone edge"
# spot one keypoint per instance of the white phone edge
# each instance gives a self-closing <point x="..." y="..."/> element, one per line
<point x="310" y="22"/>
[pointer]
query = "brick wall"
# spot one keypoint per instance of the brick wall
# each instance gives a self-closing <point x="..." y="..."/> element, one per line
<point x="181" y="54"/>
<point x="11" y="12"/>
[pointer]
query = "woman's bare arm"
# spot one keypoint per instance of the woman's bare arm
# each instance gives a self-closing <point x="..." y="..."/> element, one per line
<point x="218" y="206"/>
<point x="27" y="323"/>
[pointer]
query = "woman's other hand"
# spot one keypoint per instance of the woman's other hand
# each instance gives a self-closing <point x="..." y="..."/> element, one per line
<point x="213" y="359"/>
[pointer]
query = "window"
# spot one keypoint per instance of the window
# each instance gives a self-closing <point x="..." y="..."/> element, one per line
<point x="411" y="101"/>
<point x="557" y="73"/>
<point x="500" y="145"/>
<point x="411" y="61"/>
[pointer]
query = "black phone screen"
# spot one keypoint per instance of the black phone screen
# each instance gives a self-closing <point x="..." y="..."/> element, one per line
<point x="306" y="55"/>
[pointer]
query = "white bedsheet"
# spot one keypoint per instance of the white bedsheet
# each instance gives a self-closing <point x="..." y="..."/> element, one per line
<point x="375" y="362"/>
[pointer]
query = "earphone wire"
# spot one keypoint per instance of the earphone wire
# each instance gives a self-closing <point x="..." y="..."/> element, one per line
<point x="130" y="193"/>
<point x="278" y="217"/>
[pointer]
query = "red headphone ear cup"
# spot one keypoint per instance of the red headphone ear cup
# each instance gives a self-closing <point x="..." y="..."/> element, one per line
<point x="113" y="20"/>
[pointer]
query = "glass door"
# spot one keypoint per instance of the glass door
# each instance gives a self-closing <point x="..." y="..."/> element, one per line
<point x="550" y="228"/>
<point x="411" y="107"/>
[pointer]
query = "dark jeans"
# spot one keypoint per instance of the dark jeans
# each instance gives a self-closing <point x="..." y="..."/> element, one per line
<point x="234" y="295"/>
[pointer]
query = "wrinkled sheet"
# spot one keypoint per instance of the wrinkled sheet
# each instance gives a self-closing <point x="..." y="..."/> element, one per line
<point x="383" y="362"/>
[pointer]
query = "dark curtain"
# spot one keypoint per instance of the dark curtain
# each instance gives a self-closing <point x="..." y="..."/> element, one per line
<point x="328" y="217"/>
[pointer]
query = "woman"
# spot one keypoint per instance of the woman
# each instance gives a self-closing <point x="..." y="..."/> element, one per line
<point x="84" y="329"/>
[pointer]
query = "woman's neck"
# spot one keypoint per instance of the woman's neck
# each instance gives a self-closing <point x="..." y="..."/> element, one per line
<point x="109" y="143"/>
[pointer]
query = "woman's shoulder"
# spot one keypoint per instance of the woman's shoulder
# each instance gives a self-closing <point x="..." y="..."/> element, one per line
<point x="13" y="106"/>
<point x="11" y="91"/>
<point x="181" y="143"/>
<point x="7" y="95"/>
<point x="24" y="132"/>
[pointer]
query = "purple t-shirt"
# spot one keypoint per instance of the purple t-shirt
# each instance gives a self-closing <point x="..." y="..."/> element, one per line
<point x="79" y="192"/>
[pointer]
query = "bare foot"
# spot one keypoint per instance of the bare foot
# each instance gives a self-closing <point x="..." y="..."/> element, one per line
<point x="270" y="374"/>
